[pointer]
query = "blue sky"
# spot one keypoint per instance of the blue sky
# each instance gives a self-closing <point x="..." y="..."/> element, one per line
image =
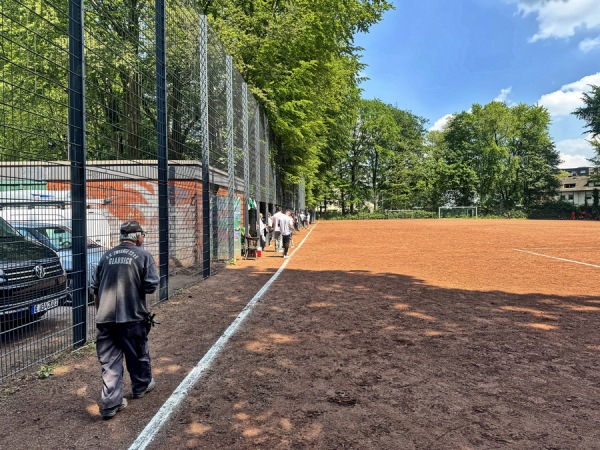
<point x="438" y="57"/>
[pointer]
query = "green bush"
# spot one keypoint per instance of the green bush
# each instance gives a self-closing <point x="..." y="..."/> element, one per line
<point x="413" y="214"/>
<point x="558" y="209"/>
<point x="512" y="214"/>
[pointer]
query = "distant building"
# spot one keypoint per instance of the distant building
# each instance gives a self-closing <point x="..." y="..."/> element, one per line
<point x="577" y="188"/>
<point x="580" y="171"/>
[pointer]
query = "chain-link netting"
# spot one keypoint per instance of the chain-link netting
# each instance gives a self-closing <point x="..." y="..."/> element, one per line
<point x="93" y="135"/>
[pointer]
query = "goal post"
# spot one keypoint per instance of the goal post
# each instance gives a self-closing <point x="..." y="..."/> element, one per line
<point x="457" y="211"/>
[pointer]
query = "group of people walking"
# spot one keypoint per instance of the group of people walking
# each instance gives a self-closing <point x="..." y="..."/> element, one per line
<point x="280" y="228"/>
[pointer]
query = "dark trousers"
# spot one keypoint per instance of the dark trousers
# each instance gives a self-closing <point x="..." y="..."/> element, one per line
<point x="113" y="341"/>
<point x="286" y="243"/>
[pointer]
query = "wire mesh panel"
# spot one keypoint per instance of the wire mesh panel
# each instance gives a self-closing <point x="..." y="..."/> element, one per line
<point x="263" y="162"/>
<point x="239" y="86"/>
<point x="121" y="118"/>
<point x="240" y="127"/>
<point x="220" y="131"/>
<point x="253" y="137"/>
<point x="35" y="250"/>
<point x="112" y="103"/>
<point x="184" y="143"/>
<point x="217" y="97"/>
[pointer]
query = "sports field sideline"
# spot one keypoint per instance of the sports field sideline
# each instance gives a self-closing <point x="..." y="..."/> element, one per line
<point x="376" y="335"/>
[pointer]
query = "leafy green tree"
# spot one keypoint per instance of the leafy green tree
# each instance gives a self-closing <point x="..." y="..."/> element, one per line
<point x="120" y="79"/>
<point x="120" y="62"/>
<point x="298" y="56"/>
<point x="459" y="179"/>
<point x="535" y="157"/>
<point x="382" y="160"/>
<point x="500" y="157"/>
<point x="301" y="63"/>
<point x="403" y="182"/>
<point x="590" y="114"/>
<point x="436" y="188"/>
<point x="33" y="78"/>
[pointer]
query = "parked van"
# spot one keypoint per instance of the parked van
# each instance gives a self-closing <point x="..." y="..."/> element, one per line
<point x="32" y="279"/>
<point x="60" y="239"/>
<point x="55" y="207"/>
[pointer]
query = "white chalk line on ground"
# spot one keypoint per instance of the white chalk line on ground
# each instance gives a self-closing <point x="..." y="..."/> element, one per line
<point x="585" y="249"/>
<point x="174" y="401"/>
<point x="557" y="258"/>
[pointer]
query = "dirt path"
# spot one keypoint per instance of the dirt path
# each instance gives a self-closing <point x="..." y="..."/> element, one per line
<point x="378" y="335"/>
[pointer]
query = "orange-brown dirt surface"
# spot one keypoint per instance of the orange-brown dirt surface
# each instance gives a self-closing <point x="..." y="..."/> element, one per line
<point x="399" y="334"/>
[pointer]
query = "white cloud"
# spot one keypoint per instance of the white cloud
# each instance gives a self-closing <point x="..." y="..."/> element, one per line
<point x="574" y="152"/>
<point x="574" y="147"/>
<point x="589" y="44"/>
<point x="572" y="161"/>
<point x="564" y="101"/>
<point x="503" y="95"/>
<point x="561" y="18"/>
<point x="441" y="123"/>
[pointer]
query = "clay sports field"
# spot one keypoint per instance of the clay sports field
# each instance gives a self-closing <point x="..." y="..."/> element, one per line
<point x="398" y="334"/>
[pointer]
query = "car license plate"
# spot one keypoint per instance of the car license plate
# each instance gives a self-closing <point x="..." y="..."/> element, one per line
<point x="45" y="306"/>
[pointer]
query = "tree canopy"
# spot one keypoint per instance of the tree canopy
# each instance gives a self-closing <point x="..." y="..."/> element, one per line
<point x="499" y="157"/>
<point x="300" y="59"/>
<point x="590" y="114"/>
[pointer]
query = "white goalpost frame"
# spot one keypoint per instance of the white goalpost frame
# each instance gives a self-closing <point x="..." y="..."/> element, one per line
<point x="456" y="207"/>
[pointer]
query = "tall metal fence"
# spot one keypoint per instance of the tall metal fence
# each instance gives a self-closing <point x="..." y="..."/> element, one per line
<point x="113" y="111"/>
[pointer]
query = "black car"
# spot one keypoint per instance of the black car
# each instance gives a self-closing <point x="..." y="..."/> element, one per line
<point x="32" y="279"/>
<point x="60" y="238"/>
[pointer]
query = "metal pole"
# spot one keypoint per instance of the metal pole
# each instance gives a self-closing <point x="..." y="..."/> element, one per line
<point x="78" y="179"/>
<point x="163" y="161"/>
<point x="230" y="160"/>
<point x="257" y="152"/>
<point x="267" y="163"/>
<point x="205" y="147"/>
<point x="245" y="137"/>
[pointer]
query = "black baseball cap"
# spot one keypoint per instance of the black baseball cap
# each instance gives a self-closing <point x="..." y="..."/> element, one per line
<point x="133" y="226"/>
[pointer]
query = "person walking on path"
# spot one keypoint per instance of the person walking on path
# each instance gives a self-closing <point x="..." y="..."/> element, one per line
<point x="269" y="228"/>
<point x="261" y="230"/>
<point x="286" y="225"/>
<point x="303" y="219"/>
<point x="124" y="276"/>
<point x="276" y="228"/>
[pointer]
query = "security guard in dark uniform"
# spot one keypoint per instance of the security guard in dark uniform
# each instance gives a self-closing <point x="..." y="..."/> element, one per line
<point x="124" y="276"/>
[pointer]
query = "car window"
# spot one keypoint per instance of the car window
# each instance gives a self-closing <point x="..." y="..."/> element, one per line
<point x="26" y="233"/>
<point x="59" y="238"/>
<point x="6" y="230"/>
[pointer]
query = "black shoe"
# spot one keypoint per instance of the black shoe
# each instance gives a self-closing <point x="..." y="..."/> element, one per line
<point x="112" y="412"/>
<point x="149" y="388"/>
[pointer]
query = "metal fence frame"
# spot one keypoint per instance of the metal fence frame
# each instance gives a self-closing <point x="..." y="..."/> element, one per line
<point x="208" y="187"/>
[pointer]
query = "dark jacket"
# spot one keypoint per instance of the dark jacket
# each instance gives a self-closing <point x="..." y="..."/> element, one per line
<point x="124" y="276"/>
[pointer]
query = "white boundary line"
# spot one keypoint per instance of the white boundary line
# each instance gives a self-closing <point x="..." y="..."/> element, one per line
<point x="174" y="401"/>
<point x="594" y="249"/>
<point x="559" y="259"/>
